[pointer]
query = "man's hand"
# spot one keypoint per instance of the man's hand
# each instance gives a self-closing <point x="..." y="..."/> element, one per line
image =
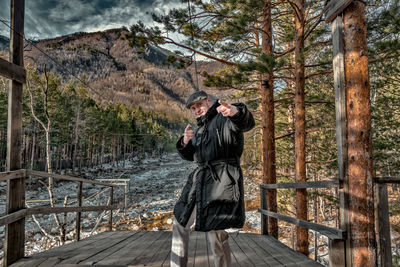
<point x="188" y="135"/>
<point x="226" y="109"/>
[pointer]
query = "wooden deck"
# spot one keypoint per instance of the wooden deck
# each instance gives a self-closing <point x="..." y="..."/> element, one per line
<point x="142" y="248"/>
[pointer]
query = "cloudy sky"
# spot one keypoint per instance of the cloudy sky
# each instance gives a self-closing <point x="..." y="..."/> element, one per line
<point x="51" y="18"/>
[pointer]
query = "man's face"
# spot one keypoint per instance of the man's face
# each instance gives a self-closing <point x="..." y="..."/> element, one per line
<point x="200" y="108"/>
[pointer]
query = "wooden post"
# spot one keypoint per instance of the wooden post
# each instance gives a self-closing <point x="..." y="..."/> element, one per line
<point x="359" y="138"/>
<point x="341" y="135"/>
<point x="385" y="242"/>
<point x="110" y="202"/>
<point x="264" y="206"/>
<point x="125" y="195"/>
<point x="336" y="253"/>
<point x="315" y="232"/>
<point x="15" y="232"/>
<point x="78" y="214"/>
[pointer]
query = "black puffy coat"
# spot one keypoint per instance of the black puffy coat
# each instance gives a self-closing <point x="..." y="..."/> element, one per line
<point x="215" y="187"/>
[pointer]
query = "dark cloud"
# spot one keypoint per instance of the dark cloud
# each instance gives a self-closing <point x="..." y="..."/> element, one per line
<point x="51" y="18"/>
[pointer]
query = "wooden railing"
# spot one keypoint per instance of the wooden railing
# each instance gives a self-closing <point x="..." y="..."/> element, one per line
<point x="22" y="213"/>
<point x="336" y="236"/>
<point x="385" y="242"/>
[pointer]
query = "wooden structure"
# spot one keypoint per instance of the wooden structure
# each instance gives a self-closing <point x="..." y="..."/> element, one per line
<point x="353" y="244"/>
<point x="146" y="248"/>
<point x="121" y="182"/>
<point x="15" y="231"/>
<point x="13" y="217"/>
<point x="121" y="248"/>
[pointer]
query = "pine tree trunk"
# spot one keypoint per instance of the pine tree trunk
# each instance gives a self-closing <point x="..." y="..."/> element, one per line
<point x="75" y="151"/>
<point x="93" y="152"/>
<point x="300" y="129"/>
<point x="103" y="144"/>
<point x="268" y="117"/>
<point x="360" y="170"/>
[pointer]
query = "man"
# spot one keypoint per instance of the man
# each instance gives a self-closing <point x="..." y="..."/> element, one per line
<point x="213" y="194"/>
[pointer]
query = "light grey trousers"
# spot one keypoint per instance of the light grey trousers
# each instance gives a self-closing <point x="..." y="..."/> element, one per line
<point x="218" y="241"/>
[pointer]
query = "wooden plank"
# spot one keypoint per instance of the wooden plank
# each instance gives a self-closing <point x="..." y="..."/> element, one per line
<point x="130" y="251"/>
<point x="50" y="210"/>
<point x="72" y="249"/>
<point x="12" y="71"/>
<point x="49" y="262"/>
<point x="279" y="254"/>
<point x="129" y="236"/>
<point x="13" y="217"/>
<point x="78" y="214"/>
<point x="147" y="246"/>
<point x="264" y="206"/>
<point x="113" y="180"/>
<point x="110" y="202"/>
<point x="238" y="255"/>
<point x="283" y="253"/>
<point x="152" y="250"/>
<point x="341" y="127"/>
<point x="252" y="251"/>
<point x="163" y="255"/>
<point x="66" y="177"/>
<point x="385" y="243"/>
<point x="337" y="253"/>
<point x="387" y="180"/>
<point x="303" y="185"/>
<point x="100" y="247"/>
<point x="298" y="257"/>
<point x="334" y="8"/>
<point x="14" y="244"/>
<point x="264" y="255"/>
<point x="340" y="94"/>
<point x="332" y="233"/>
<point x="28" y="262"/>
<point x="4" y="176"/>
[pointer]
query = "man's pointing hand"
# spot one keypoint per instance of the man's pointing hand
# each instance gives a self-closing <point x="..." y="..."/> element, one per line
<point x="227" y="110"/>
<point x="188" y="135"/>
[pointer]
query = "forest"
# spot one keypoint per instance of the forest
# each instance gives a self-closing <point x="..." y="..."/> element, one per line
<point x="276" y="57"/>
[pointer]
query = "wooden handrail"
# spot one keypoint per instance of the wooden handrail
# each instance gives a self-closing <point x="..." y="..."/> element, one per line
<point x="387" y="180"/>
<point x="4" y="176"/>
<point x="112" y="180"/>
<point x="303" y="185"/>
<point x="331" y="233"/>
<point x="66" y="177"/>
<point x="50" y="210"/>
<point x="22" y="213"/>
<point x="13" y="217"/>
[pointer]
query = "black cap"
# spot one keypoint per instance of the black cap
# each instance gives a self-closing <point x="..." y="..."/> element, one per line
<point x="195" y="97"/>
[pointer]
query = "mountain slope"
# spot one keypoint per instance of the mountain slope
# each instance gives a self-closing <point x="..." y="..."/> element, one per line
<point x="115" y="72"/>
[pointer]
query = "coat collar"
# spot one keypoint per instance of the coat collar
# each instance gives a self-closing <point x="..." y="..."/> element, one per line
<point x="212" y="111"/>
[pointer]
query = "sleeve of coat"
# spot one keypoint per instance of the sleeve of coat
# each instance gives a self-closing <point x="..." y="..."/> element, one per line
<point x="243" y="120"/>
<point x="186" y="152"/>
